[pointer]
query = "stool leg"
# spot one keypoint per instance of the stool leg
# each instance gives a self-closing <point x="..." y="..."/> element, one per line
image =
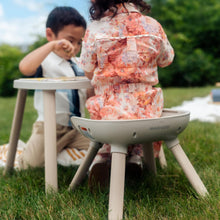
<point x="116" y="197"/>
<point x="162" y="158"/>
<point x="149" y="159"/>
<point x="84" y="166"/>
<point x="50" y="142"/>
<point x="15" y="130"/>
<point x="189" y="170"/>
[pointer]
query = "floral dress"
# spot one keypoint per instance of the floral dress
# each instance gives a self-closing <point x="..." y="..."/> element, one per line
<point x="123" y="53"/>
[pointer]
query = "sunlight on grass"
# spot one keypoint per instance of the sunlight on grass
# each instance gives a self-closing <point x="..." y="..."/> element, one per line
<point x="169" y="195"/>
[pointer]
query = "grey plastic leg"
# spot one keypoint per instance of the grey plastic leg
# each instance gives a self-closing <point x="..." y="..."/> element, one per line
<point x="187" y="167"/>
<point x="84" y="167"/>
<point x="116" y="195"/>
<point x="15" y="129"/>
<point x="50" y="142"/>
<point x="149" y="157"/>
<point x="162" y="158"/>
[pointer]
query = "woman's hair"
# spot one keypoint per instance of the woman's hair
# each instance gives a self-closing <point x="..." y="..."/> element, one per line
<point x="98" y="8"/>
<point x="63" y="16"/>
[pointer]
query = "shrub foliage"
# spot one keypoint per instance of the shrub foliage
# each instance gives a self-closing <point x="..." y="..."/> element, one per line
<point x="193" y="28"/>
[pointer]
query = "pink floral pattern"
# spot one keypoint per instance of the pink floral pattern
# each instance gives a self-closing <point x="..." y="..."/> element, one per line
<point x="123" y="53"/>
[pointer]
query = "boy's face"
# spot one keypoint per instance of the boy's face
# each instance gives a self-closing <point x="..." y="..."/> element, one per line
<point x="71" y="33"/>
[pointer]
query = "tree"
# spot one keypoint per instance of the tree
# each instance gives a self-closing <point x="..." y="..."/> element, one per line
<point x="193" y="28"/>
<point x="10" y="57"/>
<point x="9" y="60"/>
<point x="38" y="43"/>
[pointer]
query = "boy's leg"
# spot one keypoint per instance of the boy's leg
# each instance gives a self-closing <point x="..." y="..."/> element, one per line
<point x="33" y="154"/>
<point x="71" y="138"/>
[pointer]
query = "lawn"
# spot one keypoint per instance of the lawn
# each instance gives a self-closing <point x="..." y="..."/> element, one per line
<point x="169" y="195"/>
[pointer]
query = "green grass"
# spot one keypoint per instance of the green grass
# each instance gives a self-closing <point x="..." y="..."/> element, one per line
<point x="166" y="196"/>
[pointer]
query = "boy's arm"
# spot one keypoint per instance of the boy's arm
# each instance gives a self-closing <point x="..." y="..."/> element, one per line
<point x="29" y="64"/>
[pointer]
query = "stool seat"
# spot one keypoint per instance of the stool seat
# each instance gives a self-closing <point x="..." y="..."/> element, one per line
<point x="121" y="133"/>
<point x="126" y="132"/>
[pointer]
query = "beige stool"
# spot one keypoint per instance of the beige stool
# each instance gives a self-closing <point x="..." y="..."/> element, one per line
<point x="121" y="133"/>
<point x="49" y="86"/>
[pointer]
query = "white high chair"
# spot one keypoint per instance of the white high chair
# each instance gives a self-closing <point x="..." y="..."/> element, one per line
<point x="121" y="133"/>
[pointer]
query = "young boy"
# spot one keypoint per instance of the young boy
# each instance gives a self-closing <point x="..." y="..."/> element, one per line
<point x="65" y="28"/>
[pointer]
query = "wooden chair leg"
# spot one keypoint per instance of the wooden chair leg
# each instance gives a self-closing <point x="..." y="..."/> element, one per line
<point x="116" y="197"/>
<point x="188" y="169"/>
<point x="84" y="166"/>
<point x="15" y="129"/>
<point x="149" y="157"/>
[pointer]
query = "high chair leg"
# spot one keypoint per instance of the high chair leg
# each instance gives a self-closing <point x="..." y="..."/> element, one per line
<point x="116" y="195"/>
<point x="15" y="129"/>
<point x="84" y="167"/>
<point x="188" y="169"/>
<point x="149" y="157"/>
<point x="162" y="158"/>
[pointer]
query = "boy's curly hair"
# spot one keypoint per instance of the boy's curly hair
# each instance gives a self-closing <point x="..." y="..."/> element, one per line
<point x="100" y="6"/>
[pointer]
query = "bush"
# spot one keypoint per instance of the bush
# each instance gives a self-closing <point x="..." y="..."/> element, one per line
<point x="9" y="60"/>
<point x="193" y="28"/>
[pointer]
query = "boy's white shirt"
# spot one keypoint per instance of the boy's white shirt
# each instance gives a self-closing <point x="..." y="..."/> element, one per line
<point x="55" y="66"/>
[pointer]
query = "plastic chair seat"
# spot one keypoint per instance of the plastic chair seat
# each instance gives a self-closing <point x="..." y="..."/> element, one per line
<point x="125" y="132"/>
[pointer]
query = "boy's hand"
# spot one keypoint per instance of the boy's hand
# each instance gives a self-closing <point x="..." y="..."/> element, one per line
<point x="64" y="49"/>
